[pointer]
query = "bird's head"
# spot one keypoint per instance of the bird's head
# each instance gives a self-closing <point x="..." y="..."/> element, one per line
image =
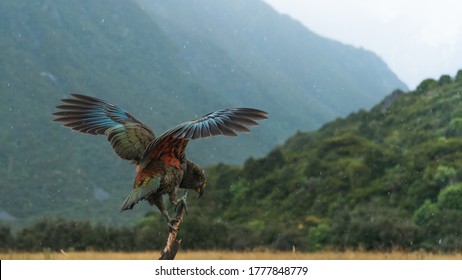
<point x="198" y="179"/>
<point x="194" y="178"/>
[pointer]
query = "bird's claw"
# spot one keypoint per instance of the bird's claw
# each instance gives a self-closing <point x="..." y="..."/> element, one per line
<point x="183" y="203"/>
<point x="180" y="204"/>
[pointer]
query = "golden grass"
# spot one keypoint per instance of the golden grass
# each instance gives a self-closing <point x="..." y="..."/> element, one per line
<point x="228" y="255"/>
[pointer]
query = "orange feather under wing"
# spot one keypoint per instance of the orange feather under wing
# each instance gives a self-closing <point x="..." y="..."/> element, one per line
<point x="147" y="183"/>
<point x="170" y="157"/>
<point x="151" y="171"/>
<point x="170" y="151"/>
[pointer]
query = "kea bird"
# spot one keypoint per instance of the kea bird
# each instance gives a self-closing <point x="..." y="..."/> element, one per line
<point x="161" y="165"/>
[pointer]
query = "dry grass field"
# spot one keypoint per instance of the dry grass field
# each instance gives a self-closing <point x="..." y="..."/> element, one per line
<point x="227" y="255"/>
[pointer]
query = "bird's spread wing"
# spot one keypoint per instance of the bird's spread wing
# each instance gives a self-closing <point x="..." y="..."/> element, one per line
<point x="128" y="136"/>
<point x="170" y="146"/>
<point x="222" y="122"/>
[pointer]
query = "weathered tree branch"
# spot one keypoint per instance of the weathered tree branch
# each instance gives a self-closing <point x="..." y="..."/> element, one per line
<point x="173" y="245"/>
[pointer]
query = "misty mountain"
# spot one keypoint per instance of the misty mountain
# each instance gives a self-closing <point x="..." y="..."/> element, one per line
<point x="262" y="55"/>
<point x="165" y="64"/>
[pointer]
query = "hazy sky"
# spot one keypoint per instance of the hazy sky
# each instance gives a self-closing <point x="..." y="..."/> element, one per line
<point x="417" y="39"/>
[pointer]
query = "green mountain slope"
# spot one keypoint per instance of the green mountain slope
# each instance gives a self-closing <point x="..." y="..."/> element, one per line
<point x="52" y="48"/>
<point x="116" y="51"/>
<point x="245" y="49"/>
<point x="385" y="178"/>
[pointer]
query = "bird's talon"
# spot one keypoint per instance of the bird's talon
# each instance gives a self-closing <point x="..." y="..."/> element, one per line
<point x="182" y="200"/>
<point x="185" y="206"/>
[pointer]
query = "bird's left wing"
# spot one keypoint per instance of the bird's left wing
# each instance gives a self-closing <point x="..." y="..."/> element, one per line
<point x="171" y="144"/>
<point x="128" y="136"/>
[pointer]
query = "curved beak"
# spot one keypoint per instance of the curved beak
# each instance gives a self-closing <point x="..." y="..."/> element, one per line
<point x="200" y="190"/>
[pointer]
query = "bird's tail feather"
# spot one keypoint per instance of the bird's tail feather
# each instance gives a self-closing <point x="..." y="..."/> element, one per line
<point x="140" y="193"/>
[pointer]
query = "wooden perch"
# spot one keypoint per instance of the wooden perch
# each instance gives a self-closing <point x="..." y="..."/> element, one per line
<point x="173" y="245"/>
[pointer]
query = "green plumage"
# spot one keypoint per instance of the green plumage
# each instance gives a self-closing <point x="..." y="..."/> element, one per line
<point x="141" y="193"/>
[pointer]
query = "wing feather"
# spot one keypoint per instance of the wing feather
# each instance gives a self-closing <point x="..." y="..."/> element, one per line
<point x="171" y="144"/>
<point x="128" y="136"/>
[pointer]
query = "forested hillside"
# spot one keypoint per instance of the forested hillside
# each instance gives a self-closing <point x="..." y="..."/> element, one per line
<point x="389" y="177"/>
<point x="382" y="179"/>
<point x="115" y="50"/>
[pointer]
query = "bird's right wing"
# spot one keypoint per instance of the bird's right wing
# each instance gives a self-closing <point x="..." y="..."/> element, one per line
<point x="128" y="136"/>
<point x="222" y="122"/>
<point x="170" y="145"/>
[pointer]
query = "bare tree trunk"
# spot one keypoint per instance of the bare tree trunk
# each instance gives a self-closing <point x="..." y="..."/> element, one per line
<point x="173" y="245"/>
